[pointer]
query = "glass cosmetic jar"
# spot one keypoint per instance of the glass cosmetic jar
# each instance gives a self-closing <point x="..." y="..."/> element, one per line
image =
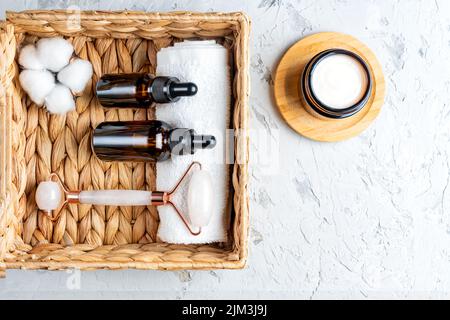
<point x="336" y="84"/>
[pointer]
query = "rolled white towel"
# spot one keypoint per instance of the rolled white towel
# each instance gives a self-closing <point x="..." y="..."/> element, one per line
<point x="208" y="112"/>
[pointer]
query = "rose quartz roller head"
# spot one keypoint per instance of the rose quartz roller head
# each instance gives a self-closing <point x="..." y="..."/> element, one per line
<point x="51" y="195"/>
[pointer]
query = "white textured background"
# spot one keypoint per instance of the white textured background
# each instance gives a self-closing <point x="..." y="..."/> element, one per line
<point x="366" y="218"/>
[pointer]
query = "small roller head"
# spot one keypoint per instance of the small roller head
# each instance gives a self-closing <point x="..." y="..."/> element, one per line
<point x="48" y="196"/>
<point x="200" y="198"/>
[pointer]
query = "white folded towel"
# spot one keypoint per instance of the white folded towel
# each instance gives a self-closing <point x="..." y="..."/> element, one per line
<point x="204" y="63"/>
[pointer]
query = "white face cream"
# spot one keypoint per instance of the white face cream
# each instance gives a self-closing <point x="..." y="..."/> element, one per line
<point x="339" y="81"/>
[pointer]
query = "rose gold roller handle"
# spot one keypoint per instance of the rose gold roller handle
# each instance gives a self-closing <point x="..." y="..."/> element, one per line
<point x="50" y="198"/>
<point x="116" y="197"/>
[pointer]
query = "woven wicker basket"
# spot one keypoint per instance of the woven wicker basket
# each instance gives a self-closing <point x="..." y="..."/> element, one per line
<point x="34" y="144"/>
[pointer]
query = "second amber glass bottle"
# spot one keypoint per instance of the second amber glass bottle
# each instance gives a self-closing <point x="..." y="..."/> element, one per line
<point x="151" y="140"/>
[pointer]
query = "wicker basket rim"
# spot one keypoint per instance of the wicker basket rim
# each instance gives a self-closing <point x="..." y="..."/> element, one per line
<point x="45" y="22"/>
<point x="126" y="14"/>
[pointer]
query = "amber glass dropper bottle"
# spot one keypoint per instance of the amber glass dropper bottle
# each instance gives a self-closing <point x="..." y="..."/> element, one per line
<point x="140" y="90"/>
<point x="151" y="140"/>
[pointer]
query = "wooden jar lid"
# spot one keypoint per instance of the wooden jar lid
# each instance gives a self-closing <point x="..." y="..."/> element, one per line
<point x="291" y="104"/>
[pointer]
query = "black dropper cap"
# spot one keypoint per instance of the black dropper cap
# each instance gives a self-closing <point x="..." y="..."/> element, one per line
<point x="203" y="141"/>
<point x="170" y="89"/>
<point x="182" y="89"/>
<point x="187" y="141"/>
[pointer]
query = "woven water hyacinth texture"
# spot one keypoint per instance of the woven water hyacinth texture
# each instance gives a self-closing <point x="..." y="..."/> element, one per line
<point x="37" y="144"/>
<point x="61" y="144"/>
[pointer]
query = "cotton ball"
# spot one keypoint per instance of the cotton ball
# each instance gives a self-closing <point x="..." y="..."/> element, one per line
<point x="76" y="75"/>
<point x="37" y="83"/>
<point x="54" y="53"/>
<point x="60" y="100"/>
<point x="28" y="58"/>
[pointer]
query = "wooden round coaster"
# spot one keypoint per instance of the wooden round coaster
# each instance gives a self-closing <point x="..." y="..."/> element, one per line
<point x="291" y="104"/>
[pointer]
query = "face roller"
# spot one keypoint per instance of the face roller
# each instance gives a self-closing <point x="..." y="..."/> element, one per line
<point x="53" y="195"/>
